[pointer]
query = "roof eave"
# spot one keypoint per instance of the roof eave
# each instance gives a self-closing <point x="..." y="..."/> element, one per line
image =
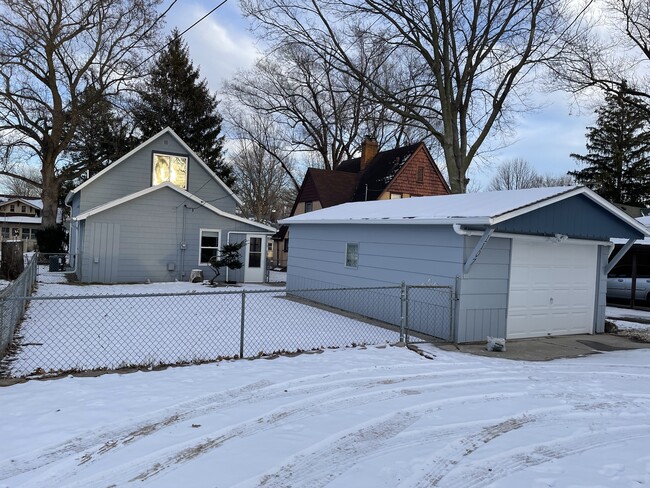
<point x="399" y="221"/>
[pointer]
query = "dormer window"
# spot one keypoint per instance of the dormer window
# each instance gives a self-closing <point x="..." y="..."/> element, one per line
<point x="169" y="168"/>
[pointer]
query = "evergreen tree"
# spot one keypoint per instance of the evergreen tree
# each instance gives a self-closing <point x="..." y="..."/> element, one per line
<point x="175" y="96"/>
<point x="617" y="165"/>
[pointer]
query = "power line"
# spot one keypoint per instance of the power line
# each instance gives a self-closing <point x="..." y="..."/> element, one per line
<point x="186" y="30"/>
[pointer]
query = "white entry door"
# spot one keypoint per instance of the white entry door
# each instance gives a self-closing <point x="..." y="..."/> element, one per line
<point x="255" y="261"/>
<point x="552" y="288"/>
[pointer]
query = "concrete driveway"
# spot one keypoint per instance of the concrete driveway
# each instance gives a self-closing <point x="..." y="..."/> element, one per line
<point x="553" y="347"/>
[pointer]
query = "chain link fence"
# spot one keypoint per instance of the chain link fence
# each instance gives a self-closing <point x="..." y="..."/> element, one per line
<point x="13" y="301"/>
<point x="96" y="332"/>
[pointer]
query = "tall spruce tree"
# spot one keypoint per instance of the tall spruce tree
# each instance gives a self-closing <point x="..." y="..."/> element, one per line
<point x="617" y="164"/>
<point x="175" y="96"/>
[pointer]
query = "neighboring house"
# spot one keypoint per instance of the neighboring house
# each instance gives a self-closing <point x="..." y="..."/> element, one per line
<point x="21" y="218"/>
<point x="521" y="263"/>
<point x="156" y="214"/>
<point x="403" y="172"/>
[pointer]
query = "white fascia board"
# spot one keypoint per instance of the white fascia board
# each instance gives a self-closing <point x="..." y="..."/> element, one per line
<point x="581" y="190"/>
<point x="402" y="221"/>
<point x="189" y="196"/>
<point x="170" y="131"/>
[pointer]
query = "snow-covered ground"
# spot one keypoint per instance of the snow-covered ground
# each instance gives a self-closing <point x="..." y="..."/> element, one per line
<point x="627" y="318"/>
<point x="82" y="334"/>
<point x="375" y="417"/>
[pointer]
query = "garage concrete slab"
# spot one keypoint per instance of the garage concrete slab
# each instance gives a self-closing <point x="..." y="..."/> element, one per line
<point x="553" y="347"/>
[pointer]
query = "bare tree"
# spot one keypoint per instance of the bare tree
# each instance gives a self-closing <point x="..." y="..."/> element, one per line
<point x="612" y="55"/>
<point x="470" y="62"/>
<point x="262" y="184"/>
<point x="517" y="174"/>
<point x="312" y="106"/>
<point x="57" y="59"/>
<point x="21" y="187"/>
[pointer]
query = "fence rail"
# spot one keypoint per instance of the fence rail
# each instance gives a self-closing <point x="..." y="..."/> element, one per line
<point x="87" y="332"/>
<point x="13" y="301"/>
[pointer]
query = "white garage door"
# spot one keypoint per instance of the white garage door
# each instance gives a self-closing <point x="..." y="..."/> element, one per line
<point x="552" y="289"/>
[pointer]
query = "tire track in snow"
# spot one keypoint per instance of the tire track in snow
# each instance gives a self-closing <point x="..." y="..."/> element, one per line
<point x="448" y="459"/>
<point x="499" y="467"/>
<point x="171" y="457"/>
<point x="317" y="467"/>
<point x="111" y="437"/>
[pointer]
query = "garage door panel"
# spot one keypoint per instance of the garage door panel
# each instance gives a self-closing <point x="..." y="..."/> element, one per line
<point x="552" y="289"/>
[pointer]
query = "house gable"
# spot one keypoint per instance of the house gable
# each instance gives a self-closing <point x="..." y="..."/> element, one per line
<point x="419" y="176"/>
<point x="573" y="217"/>
<point x="134" y="172"/>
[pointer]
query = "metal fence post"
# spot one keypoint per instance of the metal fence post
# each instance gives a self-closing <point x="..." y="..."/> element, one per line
<point x="406" y="314"/>
<point x="402" y="311"/>
<point x="241" y="331"/>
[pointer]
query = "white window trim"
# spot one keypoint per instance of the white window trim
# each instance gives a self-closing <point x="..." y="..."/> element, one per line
<point x="345" y="262"/>
<point x="219" y="243"/>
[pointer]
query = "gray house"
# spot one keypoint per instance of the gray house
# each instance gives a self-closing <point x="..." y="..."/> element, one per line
<point x="156" y="214"/>
<point x="521" y="263"/>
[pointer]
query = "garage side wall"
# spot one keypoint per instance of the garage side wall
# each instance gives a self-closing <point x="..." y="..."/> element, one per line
<point x="483" y="294"/>
<point x="388" y="254"/>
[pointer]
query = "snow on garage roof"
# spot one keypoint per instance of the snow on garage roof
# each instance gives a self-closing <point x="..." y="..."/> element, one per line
<point x="486" y="208"/>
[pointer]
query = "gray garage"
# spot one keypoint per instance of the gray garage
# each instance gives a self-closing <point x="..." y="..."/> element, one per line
<point x="522" y="263"/>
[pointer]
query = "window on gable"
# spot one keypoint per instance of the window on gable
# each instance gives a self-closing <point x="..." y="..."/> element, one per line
<point x="12" y="208"/>
<point x="209" y="247"/>
<point x="420" y="177"/>
<point x="351" y="255"/>
<point x="309" y="206"/>
<point x="395" y="196"/>
<point x="23" y="209"/>
<point x="169" y="168"/>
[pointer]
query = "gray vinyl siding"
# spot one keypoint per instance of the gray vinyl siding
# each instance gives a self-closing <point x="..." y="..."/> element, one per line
<point x="151" y="229"/>
<point x="601" y="289"/>
<point x="134" y="174"/>
<point x="483" y="304"/>
<point x="74" y="234"/>
<point x="388" y="255"/>
<point x="237" y="274"/>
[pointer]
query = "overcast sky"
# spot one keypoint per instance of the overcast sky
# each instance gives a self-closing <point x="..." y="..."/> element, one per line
<point x="222" y="43"/>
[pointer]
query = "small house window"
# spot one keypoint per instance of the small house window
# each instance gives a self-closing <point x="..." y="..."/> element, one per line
<point x="351" y="255"/>
<point x="309" y="206"/>
<point x="395" y="196"/>
<point x="5" y="232"/>
<point x="269" y="246"/>
<point x="420" y="178"/>
<point x="23" y="208"/>
<point x="26" y="234"/>
<point x="209" y="245"/>
<point x="286" y="245"/>
<point x="12" y="208"/>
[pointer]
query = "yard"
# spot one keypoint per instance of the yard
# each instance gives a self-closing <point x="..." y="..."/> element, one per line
<point x="115" y="326"/>
<point x="367" y="417"/>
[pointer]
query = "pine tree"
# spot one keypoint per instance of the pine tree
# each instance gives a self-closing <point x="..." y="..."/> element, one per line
<point x="175" y="96"/>
<point x="617" y="164"/>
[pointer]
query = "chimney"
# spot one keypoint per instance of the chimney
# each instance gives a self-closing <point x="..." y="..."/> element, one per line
<point x="369" y="149"/>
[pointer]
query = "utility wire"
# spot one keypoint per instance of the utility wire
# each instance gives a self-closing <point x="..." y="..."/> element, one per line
<point x="186" y="30"/>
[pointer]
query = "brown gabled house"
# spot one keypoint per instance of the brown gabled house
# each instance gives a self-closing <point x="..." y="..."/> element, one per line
<point x="403" y="172"/>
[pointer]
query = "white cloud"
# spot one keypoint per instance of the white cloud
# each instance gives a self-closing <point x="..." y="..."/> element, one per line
<point x="219" y="45"/>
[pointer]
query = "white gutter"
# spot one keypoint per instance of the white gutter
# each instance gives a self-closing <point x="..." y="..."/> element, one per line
<point x="558" y="238"/>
